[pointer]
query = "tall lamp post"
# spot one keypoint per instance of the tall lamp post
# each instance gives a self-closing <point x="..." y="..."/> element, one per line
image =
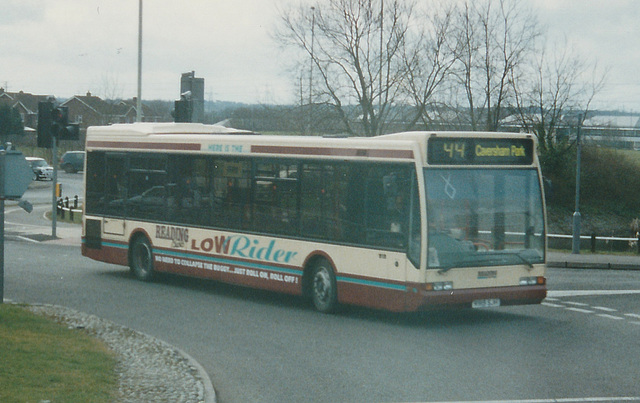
<point x="139" y="99"/>
<point x="313" y="35"/>
<point x="576" y="214"/>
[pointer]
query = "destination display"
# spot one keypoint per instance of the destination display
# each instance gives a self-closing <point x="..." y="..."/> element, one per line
<point x="479" y="151"/>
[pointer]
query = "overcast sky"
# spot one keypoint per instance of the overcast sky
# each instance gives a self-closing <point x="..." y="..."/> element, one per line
<point x="69" y="47"/>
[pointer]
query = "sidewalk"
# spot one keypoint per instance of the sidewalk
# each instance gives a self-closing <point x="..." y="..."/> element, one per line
<point x="593" y="261"/>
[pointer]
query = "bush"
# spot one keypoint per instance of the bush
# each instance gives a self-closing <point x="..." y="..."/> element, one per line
<point x="609" y="182"/>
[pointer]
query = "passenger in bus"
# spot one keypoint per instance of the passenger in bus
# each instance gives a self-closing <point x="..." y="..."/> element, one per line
<point x="398" y="214"/>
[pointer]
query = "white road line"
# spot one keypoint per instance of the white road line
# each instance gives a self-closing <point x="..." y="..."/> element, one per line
<point x="560" y="400"/>
<point x="24" y="238"/>
<point x="632" y="315"/>
<point x="604" y="308"/>
<point x="604" y="315"/>
<point x="576" y="303"/>
<point x="584" y="293"/>
<point x="579" y="310"/>
<point x="552" y="305"/>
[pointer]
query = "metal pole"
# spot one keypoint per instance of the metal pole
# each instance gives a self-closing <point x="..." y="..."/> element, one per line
<point x="380" y="72"/>
<point x="2" y="168"/>
<point x="576" y="214"/>
<point x="139" y="100"/>
<point x="313" y="35"/>
<point x="54" y="181"/>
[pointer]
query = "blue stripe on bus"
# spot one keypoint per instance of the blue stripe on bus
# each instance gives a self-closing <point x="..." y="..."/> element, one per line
<point x="116" y="245"/>
<point x="372" y="283"/>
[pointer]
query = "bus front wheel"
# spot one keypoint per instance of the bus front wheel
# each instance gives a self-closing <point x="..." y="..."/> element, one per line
<point x="141" y="261"/>
<point x="324" y="293"/>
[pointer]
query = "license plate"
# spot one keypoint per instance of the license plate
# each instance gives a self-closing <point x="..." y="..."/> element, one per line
<point x="485" y="303"/>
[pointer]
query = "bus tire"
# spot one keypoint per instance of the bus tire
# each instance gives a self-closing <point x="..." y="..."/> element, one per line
<point x="141" y="259"/>
<point x="324" y="291"/>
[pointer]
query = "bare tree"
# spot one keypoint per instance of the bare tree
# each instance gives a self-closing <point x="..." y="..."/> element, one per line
<point x="357" y="49"/>
<point x="551" y="96"/>
<point x="428" y="63"/>
<point x="495" y="38"/>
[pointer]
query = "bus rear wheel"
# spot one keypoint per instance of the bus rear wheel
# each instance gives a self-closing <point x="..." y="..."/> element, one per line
<point x="141" y="260"/>
<point x="324" y="292"/>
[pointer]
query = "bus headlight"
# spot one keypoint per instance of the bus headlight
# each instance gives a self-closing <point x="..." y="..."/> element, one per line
<point x="532" y="280"/>
<point x="440" y="286"/>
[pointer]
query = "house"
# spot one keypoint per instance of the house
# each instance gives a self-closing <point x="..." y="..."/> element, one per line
<point x="26" y="104"/>
<point x="89" y="110"/>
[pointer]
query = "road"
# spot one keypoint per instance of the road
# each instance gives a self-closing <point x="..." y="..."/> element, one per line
<point x="581" y="343"/>
<point x="40" y="192"/>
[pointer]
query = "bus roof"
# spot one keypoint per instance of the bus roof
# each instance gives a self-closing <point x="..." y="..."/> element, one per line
<point x="148" y="128"/>
<point x="217" y="139"/>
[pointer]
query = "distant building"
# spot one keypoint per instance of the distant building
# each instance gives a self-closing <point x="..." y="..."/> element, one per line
<point x="189" y="83"/>
<point x="26" y="104"/>
<point x="88" y="110"/>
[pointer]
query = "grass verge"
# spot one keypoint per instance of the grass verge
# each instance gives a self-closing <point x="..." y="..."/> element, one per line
<point x="43" y="360"/>
<point x="77" y="218"/>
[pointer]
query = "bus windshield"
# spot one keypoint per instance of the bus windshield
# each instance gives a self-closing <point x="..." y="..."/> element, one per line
<point x="484" y="217"/>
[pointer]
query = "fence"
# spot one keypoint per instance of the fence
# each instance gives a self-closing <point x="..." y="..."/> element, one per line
<point x="596" y="243"/>
<point x="68" y="208"/>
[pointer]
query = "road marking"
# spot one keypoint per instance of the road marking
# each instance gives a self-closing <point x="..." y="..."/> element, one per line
<point x="552" y="305"/>
<point x="604" y="308"/>
<point x="582" y="307"/>
<point x="584" y="293"/>
<point x="579" y="310"/>
<point x="24" y="238"/>
<point x="604" y="315"/>
<point x="560" y="400"/>
<point x="576" y="303"/>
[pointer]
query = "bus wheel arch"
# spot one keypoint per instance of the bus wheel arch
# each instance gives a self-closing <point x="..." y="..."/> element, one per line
<point x="141" y="257"/>
<point x="319" y="283"/>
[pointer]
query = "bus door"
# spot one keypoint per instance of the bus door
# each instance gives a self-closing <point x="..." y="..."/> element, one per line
<point x="115" y="194"/>
<point x="386" y="215"/>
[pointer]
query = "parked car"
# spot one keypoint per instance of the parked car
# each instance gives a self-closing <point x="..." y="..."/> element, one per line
<point x="41" y="169"/>
<point x="72" y="161"/>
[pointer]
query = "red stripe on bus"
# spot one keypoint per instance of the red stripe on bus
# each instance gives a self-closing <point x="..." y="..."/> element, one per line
<point x="144" y="146"/>
<point x="338" y="152"/>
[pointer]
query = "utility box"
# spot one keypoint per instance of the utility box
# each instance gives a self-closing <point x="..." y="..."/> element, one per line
<point x="16" y="174"/>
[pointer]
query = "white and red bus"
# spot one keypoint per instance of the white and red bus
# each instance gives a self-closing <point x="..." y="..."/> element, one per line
<point x="402" y="222"/>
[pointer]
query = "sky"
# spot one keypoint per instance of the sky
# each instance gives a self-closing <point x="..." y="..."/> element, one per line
<point x="71" y="47"/>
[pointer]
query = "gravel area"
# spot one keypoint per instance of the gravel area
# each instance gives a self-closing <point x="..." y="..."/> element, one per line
<point x="149" y="369"/>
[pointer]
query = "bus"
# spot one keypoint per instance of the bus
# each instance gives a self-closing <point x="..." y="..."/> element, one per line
<point x="402" y="222"/>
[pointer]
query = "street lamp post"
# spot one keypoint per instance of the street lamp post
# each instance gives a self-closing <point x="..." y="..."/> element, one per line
<point x="313" y="27"/>
<point x="139" y="99"/>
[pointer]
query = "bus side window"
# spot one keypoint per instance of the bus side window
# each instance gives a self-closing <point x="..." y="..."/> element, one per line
<point x="322" y="203"/>
<point x="95" y="202"/>
<point x="230" y="181"/>
<point x="115" y="185"/>
<point x="386" y="206"/>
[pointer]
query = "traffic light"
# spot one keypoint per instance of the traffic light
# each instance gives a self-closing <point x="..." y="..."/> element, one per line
<point x="62" y="129"/>
<point x="182" y="112"/>
<point x="45" y="123"/>
<point x="60" y="116"/>
<point x="54" y="122"/>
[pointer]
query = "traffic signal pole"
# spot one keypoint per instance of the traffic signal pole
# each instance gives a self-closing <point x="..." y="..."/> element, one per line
<point x="2" y="167"/>
<point x="54" y="199"/>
